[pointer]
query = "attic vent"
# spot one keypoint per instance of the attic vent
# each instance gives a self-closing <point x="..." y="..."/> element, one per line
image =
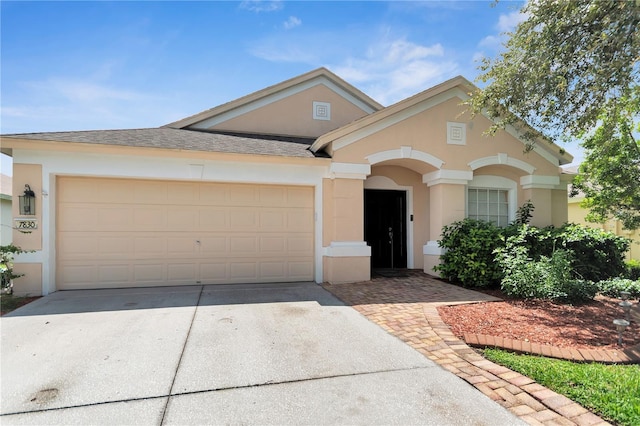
<point x="456" y="133"/>
<point x="321" y="110"/>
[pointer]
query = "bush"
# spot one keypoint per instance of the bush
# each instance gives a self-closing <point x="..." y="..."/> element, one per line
<point x="6" y="266"/>
<point x="612" y="287"/>
<point x="633" y="269"/>
<point x="599" y="254"/>
<point x="544" y="278"/>
<point x="469" y="258"/>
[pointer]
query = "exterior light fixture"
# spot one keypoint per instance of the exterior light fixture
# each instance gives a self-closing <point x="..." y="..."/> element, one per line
<point x="28" y="202"/>
<point x="621" y="325"/>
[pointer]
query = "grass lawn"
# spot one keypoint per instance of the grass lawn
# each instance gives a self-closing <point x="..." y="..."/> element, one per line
<point x="610" y="391"/>
<point x="9" y="302"/>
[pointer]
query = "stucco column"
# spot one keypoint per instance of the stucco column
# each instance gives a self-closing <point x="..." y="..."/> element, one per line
<point x="28" y="264"/>
<point x="346" y="256"/>
<point x="447" y="204"/>
<point x="540" y="189"/>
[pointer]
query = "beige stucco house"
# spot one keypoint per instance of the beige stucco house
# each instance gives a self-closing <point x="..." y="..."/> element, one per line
<point x="306" y="180"/>
<point x="577" y="214"/>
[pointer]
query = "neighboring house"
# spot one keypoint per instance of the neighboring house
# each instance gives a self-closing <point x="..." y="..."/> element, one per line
<point x="306" y="180"/>
<point x="577" y="214"/>
<point x="5" y="210"/>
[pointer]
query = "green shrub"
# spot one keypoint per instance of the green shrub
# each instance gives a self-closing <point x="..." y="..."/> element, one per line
<point x="612" y="287"/>
<point x="468" y="259"/>
<point x="633" y="269"/>
<point x="598" y="254"/>
<point x="544" y="278"/>
<point x="6" y="266"/>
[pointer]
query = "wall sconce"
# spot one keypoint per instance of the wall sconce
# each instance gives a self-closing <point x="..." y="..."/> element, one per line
<point x="28" y="202"/>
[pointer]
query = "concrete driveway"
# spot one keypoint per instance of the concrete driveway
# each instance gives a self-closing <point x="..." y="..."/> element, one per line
<point x="226" y="354"/>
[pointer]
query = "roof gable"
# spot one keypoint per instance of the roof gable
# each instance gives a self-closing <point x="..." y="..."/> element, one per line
<point x="288" y="108"/>
<point x="457" y="87"/>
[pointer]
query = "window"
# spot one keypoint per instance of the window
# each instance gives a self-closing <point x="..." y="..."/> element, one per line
<point x="491" y="205"/>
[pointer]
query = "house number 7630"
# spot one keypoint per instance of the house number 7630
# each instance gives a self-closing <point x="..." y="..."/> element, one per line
<point x="26" y="224"/>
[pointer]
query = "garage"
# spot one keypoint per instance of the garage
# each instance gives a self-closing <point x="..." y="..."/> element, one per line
<point x="126" y="233"/>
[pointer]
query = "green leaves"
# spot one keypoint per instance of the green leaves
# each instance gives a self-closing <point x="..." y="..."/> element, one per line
<point x="571" y="70"/>
<point x="561" y="64"/>
<point x="609" y="178"/>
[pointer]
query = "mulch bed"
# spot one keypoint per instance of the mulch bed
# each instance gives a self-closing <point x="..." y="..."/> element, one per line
<point x="585" y="326"/>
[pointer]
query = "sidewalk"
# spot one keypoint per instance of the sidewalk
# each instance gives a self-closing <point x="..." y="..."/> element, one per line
<point x="407" y="308"/>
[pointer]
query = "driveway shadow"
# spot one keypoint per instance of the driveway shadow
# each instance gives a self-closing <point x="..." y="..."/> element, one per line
<point x="127" y="299"/>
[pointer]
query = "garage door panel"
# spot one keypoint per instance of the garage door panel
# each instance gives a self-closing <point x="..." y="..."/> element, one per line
<point x="300" y="197"/>
<point x="243" y="271"/>
<point x="272" y="196"/>
<point x="118" y="274"/>
<point x="246" y="245"/>
<point x="299" y="222"/>
<point x="242" y="219"/>
<point x="150" y="192"/>
<point x="273" y="245"/>
<point x="182" y="272"/>
<point x="114" y="218"/>
<point x="180" y="246"/>
<point x="183" y="193"/>
<point x="273" y="270"/>
<point x="174" y="233"/>
<point x="149" y="247"/>
<point x="300" y="246"/>
<point x="182" y="218"/>
<point x="151" y="218"/>
<point x="274" y="220"/>
<point x="149" y="272"/>
<point x="243" y="195"/>
<point x="300" y="270"/>
<point x="214" y="245"/>
<point x="213" y="194"/>
<point x="74" y="275"/>
<point x="119" y="245"/>
<point x="214" y="272"/>
<point x="73" y="217"/>
<point x="78" y="246"/>
<point x="213" y="219"/>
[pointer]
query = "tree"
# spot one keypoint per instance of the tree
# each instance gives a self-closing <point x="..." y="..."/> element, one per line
<point x="609" y="178"/>
<point x="571" y="70"/>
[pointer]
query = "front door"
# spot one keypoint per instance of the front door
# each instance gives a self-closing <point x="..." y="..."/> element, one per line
<point x="385" y="227"/>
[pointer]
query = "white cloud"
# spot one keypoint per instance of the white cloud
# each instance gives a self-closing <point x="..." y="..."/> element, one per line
<point x="259" y="6"/>
<point x="84" y="91"/>
<point x="292" y="22"/>
<point x="393" y="70"/>
<point x="492" y="43"/>
<point x="508" y="22"/>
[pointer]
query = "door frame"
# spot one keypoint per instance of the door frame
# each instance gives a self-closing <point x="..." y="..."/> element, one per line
<point x="383" y="182"/>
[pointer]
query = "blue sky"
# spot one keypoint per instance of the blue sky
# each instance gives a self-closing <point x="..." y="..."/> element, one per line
<point x="109" y="65"/>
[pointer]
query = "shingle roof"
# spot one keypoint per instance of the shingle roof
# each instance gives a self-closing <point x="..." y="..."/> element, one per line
<point x="167" y="138"/>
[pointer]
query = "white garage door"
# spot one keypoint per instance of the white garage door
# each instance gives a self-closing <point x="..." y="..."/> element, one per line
<point x="125" y="233"/>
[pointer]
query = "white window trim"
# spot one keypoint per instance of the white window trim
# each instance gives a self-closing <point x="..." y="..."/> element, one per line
<point x="494" y="182"/>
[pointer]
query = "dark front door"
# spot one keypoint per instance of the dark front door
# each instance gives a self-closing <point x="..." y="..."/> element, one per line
<point x="385" y="227"/>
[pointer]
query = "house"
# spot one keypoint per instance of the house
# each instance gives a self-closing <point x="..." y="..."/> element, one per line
<point x="5" y="210"/>
<point x="306" y="180"/>
<point x="577" y="214"/>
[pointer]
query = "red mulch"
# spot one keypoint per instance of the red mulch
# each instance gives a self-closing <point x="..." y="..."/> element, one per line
<point x="587" y="326"/>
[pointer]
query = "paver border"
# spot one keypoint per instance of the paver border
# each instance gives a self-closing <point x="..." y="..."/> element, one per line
<point x="418" y="323"/>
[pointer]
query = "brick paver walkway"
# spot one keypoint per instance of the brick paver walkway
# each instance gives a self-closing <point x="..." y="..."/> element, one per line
<point x="407" y="308"/>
